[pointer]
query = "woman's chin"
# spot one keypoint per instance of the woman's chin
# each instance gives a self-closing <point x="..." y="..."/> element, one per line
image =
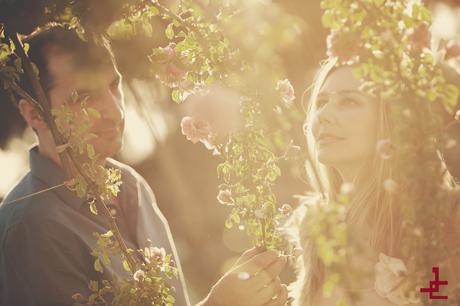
<point x="330" y="158"/>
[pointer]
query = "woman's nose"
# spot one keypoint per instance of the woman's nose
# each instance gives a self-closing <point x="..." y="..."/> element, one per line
<point x="327" y="114"/>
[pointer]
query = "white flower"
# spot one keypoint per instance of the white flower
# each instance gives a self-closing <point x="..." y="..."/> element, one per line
<point x="225" y="197"/>
<point x="390" y="185"/>
<point x="154" y="252"/>
<point x="457" y="115"/>
<point x="286" y="90"/>
<point x="139" y="275"/>
<point x="286" y="209"/>
<point x="389" y="276"/>
<point x="450" y="143"/>
<point x="297" y="252"/>
<point x="347" y="188"/>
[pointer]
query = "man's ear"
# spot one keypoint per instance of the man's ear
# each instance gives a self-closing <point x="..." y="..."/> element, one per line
<point x="31" y="115"/>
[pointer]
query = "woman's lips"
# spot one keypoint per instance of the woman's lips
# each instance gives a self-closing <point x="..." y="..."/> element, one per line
<point x="328" y="139"/>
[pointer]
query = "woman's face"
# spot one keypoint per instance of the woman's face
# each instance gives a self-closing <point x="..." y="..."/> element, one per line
<point x="344" y="124"/>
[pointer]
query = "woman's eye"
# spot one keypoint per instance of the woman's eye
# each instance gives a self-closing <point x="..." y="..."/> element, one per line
<point x="320" y="102"/>
<point x="349" y="101"/>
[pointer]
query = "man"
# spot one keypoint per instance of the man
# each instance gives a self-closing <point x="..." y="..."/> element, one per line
<point x="46" y="238"/>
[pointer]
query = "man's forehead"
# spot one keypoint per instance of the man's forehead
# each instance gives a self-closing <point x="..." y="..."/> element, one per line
<point x="65" y="72"/>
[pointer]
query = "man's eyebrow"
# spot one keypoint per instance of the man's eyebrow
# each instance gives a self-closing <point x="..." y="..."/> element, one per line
<point x="85" y="91"/>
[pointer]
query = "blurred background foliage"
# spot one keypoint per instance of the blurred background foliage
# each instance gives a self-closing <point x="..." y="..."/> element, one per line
<point x="182" y="175"/>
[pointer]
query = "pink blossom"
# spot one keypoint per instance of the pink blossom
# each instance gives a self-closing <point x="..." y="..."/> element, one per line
<point x="219" y="106"/>
<point x="286" y="90"/>
<point x="452" y="50"/>
<point x="169" y="50"/>
<point x="171" y="65"/>
<point x="342" y="45"/>
<point x="225" y="197"/>
<point x="420" y="37"/>
<point x="196" y="130"/>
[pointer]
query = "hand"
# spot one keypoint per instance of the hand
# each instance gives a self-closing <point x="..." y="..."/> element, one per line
<point x="262" y="288"/>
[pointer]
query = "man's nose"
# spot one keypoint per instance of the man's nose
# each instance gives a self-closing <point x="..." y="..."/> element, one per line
<point x="112" y="107"/>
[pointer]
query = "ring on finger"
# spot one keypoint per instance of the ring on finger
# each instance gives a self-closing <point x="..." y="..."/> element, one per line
<point x="244" y="275"/>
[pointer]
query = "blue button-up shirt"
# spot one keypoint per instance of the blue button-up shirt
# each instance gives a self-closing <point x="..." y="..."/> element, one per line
<point x="46" y="239"/>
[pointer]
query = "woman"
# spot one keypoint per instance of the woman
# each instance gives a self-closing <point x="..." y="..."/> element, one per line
<point x="346" y="130"/>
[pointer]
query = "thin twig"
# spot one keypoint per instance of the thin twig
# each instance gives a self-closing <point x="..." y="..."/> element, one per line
<point x="22" y="93"/>
<point x="34" y="194"/>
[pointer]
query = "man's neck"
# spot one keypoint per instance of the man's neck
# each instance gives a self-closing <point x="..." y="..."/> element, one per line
<point x="51" y="153"/>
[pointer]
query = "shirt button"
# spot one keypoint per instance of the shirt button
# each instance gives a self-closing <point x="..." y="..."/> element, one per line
<point x="113" y="212"/>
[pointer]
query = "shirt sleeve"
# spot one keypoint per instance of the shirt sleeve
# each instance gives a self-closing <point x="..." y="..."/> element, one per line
<point x="151" y="224"/>
<point x="40" y="266"/>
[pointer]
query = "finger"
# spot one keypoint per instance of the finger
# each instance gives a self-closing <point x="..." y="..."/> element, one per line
<point x="267" y="292"/>
<point x="267" y="275"/>
<point x="248" y="254"/>
<point x="281" y="297"/>
<point x="259" y="262"/>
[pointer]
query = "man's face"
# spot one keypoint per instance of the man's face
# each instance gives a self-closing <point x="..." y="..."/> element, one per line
<point x="101" y="88"/>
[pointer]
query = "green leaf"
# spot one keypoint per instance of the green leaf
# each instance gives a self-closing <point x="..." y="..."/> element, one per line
<point x="176" y="95"/>
<point x="98" y="266"/>
<point x="90" y="150"/>
<point x="126" y="266"/>
<point x="425" y="14"/>
<point x="92" y="207"/>
<point x="228" y="223"/>
<point x="93" y="285"/>
<point x="452" y="95"/>
<point x="94" y="113"/>
<point x="148" y="29"/>
<point x="329" y="20"/>
<point x="26" y="47"/>
<point x="408" y="21"/>
<point x="62" y="147"/>
<point x="153" y="11"/>
<point x="169" y="32"/>
<point x="235" y="218"/>
<point x="108" y="234"/>
<point x="4" y="52"/>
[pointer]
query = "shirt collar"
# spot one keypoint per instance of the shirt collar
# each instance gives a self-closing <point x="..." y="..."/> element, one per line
<point x="52" y="175"/>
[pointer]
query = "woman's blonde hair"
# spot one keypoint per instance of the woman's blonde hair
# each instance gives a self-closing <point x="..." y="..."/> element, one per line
<point x="369" y="204"/>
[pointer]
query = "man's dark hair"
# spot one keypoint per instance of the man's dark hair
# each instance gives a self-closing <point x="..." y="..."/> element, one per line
<point x="61" y="40"/>
<point x="55" y="39"/>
